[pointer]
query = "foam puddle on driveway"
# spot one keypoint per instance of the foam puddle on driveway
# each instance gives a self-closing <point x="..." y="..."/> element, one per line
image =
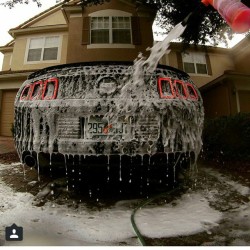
<point x="192" y="213"/>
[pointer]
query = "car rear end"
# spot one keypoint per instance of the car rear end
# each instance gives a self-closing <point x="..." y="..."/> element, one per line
<point x="109" y="115"/>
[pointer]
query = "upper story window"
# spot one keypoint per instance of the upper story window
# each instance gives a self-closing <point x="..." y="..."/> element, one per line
<point x="195" y="63"/>
<point x="43" y="49"/>
<point x="111" y="30"/>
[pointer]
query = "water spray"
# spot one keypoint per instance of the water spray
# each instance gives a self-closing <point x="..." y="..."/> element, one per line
<point x="161" y="48"/>
<point x="234" y="12"/>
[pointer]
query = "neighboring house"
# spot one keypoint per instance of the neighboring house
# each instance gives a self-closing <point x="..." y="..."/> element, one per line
<point x="229" y="93"/>
<point x="68" y="33"/>
<point x="222" y="75"/>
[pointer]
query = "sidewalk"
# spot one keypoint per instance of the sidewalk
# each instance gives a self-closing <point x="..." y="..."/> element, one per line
<point x="6" y="145"/>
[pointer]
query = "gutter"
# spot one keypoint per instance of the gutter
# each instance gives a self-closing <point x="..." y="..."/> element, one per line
<point x="49" y="28"/>
<point x="14" y="74"/>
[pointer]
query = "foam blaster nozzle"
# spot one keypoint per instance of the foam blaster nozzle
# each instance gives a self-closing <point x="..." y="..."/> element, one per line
<point x="207" y="2"/>
<point x="187" y="18"/>
<point x="234" y="12"/>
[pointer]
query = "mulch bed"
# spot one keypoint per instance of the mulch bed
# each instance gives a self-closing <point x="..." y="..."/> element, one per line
<point x="8" y="158"/>
<point x="237" y="170"/>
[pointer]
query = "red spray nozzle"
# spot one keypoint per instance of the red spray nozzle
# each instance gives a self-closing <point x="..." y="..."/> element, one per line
<point x="235" y="13"/>
<point x="207" y="2"/>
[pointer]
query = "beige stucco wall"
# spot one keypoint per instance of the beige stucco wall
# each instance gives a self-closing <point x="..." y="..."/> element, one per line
<point x="228" y="97"/>
<point x="6" y="61"/>
<point x="219" y="63"/>
<point x="11" y="84"/>
<point x="80" y="52"/>
<point x="241" y="55"/>
<point x="221" y="101"/>
<point x="19" y="52"/>
<point x="52" y="19"/>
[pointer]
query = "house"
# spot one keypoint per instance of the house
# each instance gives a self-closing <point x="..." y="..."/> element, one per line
<point x="117" y="30"/>
<point x="222" y="75"/>
<point x="69" y="32"/>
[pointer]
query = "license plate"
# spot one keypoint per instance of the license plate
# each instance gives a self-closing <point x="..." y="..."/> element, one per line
<point x="98" y="127"/>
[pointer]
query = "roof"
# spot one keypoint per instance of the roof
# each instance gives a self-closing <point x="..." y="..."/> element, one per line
<point x="178" y="46"/>
<point x="8" y="47"/>
<point x="7" y="74"/>
<point x="227" y="74"/>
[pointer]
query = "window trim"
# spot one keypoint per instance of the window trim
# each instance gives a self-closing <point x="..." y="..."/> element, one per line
<point x="43" y="61"/>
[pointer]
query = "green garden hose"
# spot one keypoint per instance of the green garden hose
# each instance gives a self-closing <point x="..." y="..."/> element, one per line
<point x="144" y="203"/>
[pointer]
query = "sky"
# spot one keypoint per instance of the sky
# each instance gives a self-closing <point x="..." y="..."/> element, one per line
<point x="10" y="18"/>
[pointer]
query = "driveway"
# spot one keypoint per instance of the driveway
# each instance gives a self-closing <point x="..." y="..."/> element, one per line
<point x="213" y="209"/>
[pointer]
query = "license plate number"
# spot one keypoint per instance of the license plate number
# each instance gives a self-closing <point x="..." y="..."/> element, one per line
<point x="97" y="127"/>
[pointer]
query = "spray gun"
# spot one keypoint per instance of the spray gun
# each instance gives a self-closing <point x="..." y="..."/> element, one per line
<point x="234" y="12"/>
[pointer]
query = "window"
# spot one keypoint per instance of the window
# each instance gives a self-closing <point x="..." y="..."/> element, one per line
<point x="110" y="29"/>
<point x="43" y="49"/>
<point x="195" y="63"/>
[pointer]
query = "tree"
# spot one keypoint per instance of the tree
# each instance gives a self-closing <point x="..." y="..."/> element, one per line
<point x="205" y="25"/>
<point x="12" y="3"/>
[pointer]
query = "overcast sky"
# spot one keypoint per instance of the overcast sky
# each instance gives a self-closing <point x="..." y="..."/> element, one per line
<point x="10" y="18"/>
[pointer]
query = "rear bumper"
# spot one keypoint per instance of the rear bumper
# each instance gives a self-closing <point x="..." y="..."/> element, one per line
<point x="82" y="147"/>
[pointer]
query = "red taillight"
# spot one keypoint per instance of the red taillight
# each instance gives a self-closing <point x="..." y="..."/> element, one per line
<point x="166" y="89"/>
<point x="180" y="89"/>
<point x="169" y="89"/>
<point x="50" y="89"/>
<point x="36" y="91"/>
<point x="40" y="90"/>
<point x="192" y="92"/>
<point x="26" y="93"/>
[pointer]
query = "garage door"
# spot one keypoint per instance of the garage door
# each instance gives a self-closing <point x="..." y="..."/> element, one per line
<point x="244" y="98"/>
<point x="7" y="112"/>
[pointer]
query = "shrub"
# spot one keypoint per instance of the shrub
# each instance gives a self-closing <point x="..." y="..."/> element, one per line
<point x="227" y="138"/>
